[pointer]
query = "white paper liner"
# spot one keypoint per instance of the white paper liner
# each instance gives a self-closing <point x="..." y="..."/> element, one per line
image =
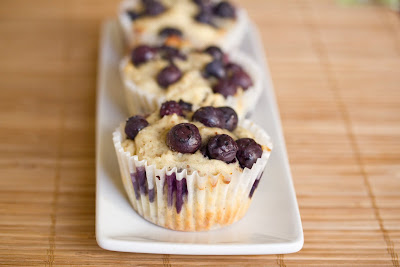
<point x="141" y="102"/>
<point x="231" y="40"/>
<point x="211" y="202"/>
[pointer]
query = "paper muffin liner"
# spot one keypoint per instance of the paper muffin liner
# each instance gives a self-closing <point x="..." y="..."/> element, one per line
<point x="140" y="101"/>
<point x="189" y="202"/>
<point x="231" y="40"/>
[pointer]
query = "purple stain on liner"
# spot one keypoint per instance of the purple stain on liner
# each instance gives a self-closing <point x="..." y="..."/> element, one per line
<point x="151" y="195"/>
<point x="181" y="190"/>
<point x="171" y="187"/>
<point x="135" y="184"/>
<point x="141" y="175"/>
<point x="255" y="185"/>
<point x="180" y="187"/>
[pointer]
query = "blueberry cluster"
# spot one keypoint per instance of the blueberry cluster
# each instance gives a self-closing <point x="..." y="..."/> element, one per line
<point x="150" y="8"/>
<point x="144" y="53"/>
<point x="208" y="11"/>
<point x="229" y="76"/>
<point x="223" y="147"/>
<point x="186" y="138"/>
<point x="168" y="75"/>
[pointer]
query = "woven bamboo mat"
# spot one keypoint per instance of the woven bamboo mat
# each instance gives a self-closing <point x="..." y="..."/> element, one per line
<point x="336" y="72"/>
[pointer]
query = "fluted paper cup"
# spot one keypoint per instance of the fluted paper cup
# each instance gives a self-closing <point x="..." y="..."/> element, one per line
<point x="140" y="101"/>
<point x="189" y="202"/>
<point x="231" y="40"/>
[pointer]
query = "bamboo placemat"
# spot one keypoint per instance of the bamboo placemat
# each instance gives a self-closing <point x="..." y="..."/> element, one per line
<point x="336" y="72"/>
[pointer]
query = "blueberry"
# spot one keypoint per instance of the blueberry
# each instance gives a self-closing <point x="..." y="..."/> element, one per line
<point x="133" y="15"/>
<point x="168" y="31"/>
<point x="215" y="68"/>
<point x="169" y="108"/>
<point x="248" y="153"/>
<point x="153" y="8"/>
<point x="185" y="105"/>
<point x="230" y="118"/>
<point x="222" y="147"/>
<point x="184" y="138"/>
<point x="204" y="4"/>
<point x="209" y="116"/>
<point x="204" y="17"/>
<point x="232" y="68"/>
<point x="134" y="125"/>
<point x="215" y="52"/>
<point x="169" y="53"/>
<point x="225" y="87"/>
<point x="225" y="10"/>
<point x="241" y="79"/>
<point x="142" y="54"/>
<point x="168" y="75"/>
<point x="203" y="151"/>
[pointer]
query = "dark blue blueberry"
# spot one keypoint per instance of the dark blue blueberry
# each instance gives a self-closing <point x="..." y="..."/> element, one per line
<point x="209" y="116"/>
<point x="133" y="15"/>
<point x="184" y="138"/>
<point x="204" y="17"/>
<point x="185" y="105"/>
<point x="222" y="147"/>
<point x="241" y="79"/>
<point x="153" y="8"/>
<point x="142" y="54"/>
<point x="169" y="31"/>
<point x="248" y="153"/>
<point x="225" y="87"/>
<point x="169" y="53"/>
<point x="134" y="125"/>
<point x="169" y="75"/>
<point x="224" y="10"/>
<point x="169" y="108"/>
<point x="232" y="68"/>
<point x="215" y="68"/>
<point x="203" y="151"/>
<point x="230" y="118"/>
<point x="215" y="52"/>
<point x="204" y="4"/>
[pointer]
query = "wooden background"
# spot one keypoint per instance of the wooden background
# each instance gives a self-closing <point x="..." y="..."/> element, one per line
<point x="336" y="72"/>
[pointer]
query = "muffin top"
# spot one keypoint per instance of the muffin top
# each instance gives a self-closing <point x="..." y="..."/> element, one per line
<point x="182" y="22"/>
<point x="202" y="77"/>
<point x="207" y="140"/>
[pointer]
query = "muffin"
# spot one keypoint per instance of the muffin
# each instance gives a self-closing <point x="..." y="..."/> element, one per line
<point x="191" y="171"/>
<point x="208" y="77"/>
<point x="184" y="23"/>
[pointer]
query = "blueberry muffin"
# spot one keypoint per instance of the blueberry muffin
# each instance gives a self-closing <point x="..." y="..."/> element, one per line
<point x="182" y="23"/>
<point x="191" y="171"/>
<point x="207" y="77"/>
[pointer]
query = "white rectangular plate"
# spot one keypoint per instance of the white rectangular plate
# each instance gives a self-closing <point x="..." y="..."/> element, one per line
<point x="272" y="224"/>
